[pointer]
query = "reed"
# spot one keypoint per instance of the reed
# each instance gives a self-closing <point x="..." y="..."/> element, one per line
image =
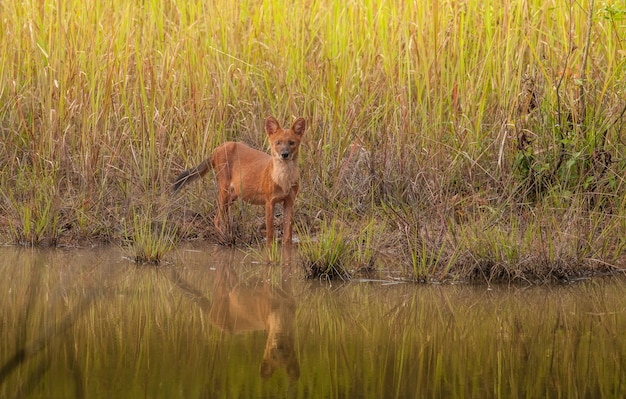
<point x="468" y="112"/>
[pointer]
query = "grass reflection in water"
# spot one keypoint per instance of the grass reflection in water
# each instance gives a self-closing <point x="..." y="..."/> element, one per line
<point x="215" y="323"/>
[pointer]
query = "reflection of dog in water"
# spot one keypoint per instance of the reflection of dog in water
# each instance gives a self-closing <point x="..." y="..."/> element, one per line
<point x="237" y="309"/>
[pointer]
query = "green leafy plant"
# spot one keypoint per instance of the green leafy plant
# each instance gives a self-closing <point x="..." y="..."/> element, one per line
<point x="327" y="254"/>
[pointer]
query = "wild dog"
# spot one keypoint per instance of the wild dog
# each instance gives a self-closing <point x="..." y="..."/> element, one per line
<point x="256" y="177"/>
<point x="241" y="305"/>
<point x="240" y="308"/>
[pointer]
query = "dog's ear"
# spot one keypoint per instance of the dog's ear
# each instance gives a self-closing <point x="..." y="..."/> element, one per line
<point x="298" y="126"/>
<point x="271" y="125"/>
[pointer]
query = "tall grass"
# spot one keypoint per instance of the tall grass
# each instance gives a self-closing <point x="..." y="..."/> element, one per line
<point x="471" y="113"/>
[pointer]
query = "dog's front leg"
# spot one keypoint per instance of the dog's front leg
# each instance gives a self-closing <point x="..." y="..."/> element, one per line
<point x="288" y="222"/>
<point x="269" y="222"/>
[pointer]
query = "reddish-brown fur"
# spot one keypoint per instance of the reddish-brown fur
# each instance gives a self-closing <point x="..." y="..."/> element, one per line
<point x="237" y="308"/>
<point x="256" y="177"/>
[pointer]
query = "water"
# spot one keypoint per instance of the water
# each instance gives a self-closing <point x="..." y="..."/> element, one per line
<point x="218" y="323"/>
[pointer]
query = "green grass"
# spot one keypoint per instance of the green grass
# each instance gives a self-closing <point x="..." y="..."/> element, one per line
<point x="471" y="114"/>
<point x="148" y="241"/>
<point x="327" y="255"/>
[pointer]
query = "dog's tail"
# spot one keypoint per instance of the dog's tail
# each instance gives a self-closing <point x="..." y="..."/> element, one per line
<point x="190" y="175"/>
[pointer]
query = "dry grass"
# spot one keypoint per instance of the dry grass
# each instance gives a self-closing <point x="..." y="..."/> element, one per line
<point x="502" y="118"/>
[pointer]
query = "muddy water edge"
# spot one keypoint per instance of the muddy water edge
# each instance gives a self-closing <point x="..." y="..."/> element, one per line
<point x="219" y="323"/>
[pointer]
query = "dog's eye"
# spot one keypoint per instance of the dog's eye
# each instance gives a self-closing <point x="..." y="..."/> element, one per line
<point x="292" y="142"/>
<point x="278" y="142"/>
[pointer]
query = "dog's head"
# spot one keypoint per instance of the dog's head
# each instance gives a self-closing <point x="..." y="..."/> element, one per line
<point x="285" y="142"/>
